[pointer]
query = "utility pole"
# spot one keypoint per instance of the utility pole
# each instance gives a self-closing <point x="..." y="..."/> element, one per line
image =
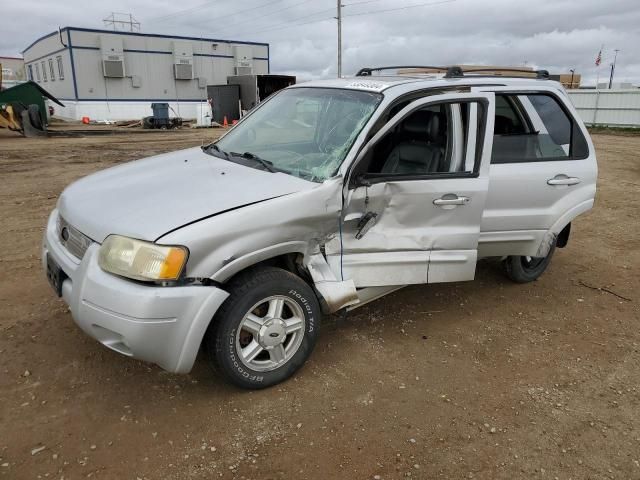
<point x="339" y="18"/>
<point x="613" y="68"/>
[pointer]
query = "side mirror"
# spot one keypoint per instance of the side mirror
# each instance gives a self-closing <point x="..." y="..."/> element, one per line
<point x="360" y="180"/>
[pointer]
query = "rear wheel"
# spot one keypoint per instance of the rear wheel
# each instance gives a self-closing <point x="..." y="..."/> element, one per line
<point x="524" y="269"/>
<point x="34" y="117"/>
<point x="265" y="330"/>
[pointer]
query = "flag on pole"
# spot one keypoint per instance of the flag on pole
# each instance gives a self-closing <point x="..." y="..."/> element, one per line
<point x="599" y="58"/>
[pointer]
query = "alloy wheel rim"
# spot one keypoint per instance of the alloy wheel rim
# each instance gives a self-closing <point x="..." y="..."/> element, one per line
<point x="270" y="333"/>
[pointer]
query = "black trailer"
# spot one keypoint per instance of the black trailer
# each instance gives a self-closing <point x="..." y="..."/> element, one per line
<point x="225" y="102"/>
<point x="255" y="88"/>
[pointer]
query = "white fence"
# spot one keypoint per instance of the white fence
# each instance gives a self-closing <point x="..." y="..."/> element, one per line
<point x="616" y="108"/>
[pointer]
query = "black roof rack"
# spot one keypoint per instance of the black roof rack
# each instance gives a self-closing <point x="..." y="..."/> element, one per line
<point x="455" y="71"/>
<point x="367" y="71"/>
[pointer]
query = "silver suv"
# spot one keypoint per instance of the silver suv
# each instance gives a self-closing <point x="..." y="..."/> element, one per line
<point x="328" y="195"/>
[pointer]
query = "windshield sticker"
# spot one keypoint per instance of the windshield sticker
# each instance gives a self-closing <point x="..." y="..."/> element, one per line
<point x="368" y="85"/>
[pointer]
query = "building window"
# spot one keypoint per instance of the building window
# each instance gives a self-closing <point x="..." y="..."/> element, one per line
<point x="51" y="72"/>
<point x="30" y="72"/>
<point x="60" y="69"/>
<point x="44" y="71"/>
<point x="38" y="71"/>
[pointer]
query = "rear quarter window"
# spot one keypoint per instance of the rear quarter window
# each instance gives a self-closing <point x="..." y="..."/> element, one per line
<point x="549" y="132"/>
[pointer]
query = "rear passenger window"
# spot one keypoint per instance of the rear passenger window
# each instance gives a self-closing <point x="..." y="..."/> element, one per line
<point x="542" y="130"/>
<point x="508" y="120"/>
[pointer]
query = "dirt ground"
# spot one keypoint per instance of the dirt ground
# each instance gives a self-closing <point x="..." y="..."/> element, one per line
<point x="485" y="379"/>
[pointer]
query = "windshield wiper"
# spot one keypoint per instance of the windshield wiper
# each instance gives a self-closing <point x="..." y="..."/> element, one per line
<point x="252" y="156"/>
<point x="215" y="147"/>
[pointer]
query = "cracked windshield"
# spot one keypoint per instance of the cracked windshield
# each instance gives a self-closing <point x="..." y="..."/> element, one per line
<point x="305" y="132"/>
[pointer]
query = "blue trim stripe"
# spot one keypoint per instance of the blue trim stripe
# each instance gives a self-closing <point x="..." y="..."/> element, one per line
<point x="80" y="47"/>
<point x="167" y="100"/>
<point x="156" y="35"/>
<point x="47" y="55"/>
<point x="211" y="55"/>
<point x="163" y="52"/>
<point x="73" y="67"/>
<point x="136" y="34"/>
<point x="44" y="37"/>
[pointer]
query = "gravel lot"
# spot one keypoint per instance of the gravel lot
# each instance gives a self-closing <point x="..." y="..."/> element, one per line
<point x="485" y="379"/>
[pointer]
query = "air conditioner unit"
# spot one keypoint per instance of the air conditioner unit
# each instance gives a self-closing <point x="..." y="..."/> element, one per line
<point x="243" y="55"/>
<point x="182" y="60"/>
<point x="112" y="57"/>
<point x="243" y="70"/>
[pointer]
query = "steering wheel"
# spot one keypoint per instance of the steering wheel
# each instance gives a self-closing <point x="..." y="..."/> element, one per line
<point x="330" y="143"/>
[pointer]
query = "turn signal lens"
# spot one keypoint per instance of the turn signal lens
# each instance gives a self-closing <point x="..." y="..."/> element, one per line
<point x="140" y="260"/>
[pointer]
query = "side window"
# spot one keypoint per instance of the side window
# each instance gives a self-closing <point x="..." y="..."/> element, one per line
<point x="30" y="72"/>
<point x="545" y="130"/>
<point x="434" y="140"/>
<point x="44" y="71"/>
<point x="60" y="68"/>
<point x="509" y="119"/>
<point x="53" y="76"/>
<point x="38" y="71"/>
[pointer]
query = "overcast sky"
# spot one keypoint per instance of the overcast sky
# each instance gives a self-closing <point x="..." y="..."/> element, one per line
<point x="552" y="34"/>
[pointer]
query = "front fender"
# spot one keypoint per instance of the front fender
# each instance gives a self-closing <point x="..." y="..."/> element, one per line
<point x="245" y="261"/>
<point x="225" y="244"/>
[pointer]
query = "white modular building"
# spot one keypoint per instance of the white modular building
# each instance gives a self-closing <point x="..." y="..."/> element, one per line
<point x="114" y="75"/>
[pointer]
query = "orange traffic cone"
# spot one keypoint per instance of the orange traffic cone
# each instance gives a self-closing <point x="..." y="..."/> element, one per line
<point x="225" y="123"/>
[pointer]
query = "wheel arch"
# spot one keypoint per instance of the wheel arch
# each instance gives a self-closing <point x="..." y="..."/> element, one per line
<point x="296" y="257"/>
<point x="561" y="228"/>
<point x="281" y="255"/>
<point x="563" y="237"/>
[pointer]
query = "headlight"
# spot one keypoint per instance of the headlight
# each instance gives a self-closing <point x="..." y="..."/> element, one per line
<point x="141" y="260"/>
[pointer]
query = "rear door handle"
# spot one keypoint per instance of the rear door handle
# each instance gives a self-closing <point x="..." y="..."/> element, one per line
<point x="451" y="201"/>
<point x="563" y="180"/>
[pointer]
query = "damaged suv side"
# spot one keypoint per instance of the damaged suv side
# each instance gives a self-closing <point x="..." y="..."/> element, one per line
<point x="325" y="197"/>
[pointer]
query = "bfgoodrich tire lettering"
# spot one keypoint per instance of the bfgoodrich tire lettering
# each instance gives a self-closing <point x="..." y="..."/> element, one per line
<point x="265" y="330"/>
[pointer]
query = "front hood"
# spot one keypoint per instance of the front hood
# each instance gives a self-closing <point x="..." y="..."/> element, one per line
<point x="147" y="198"/>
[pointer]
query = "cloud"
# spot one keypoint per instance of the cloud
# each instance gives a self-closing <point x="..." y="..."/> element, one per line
<point x="552" y="34"/>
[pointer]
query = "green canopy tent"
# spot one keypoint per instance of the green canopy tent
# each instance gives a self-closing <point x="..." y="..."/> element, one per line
<point x="29" y="93"/>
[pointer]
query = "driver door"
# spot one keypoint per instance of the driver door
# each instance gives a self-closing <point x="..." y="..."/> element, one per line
<point x="415" y="195"/>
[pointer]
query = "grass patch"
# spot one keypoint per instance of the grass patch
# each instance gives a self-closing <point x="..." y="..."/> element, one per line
<point x="625" y="131"/>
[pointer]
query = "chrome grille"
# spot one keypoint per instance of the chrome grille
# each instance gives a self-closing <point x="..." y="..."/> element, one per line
<point x="72" y="239"/>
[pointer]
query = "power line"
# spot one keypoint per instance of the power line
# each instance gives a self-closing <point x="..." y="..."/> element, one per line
<point x="398" y="8"/>
<point x="226" y="27"/>
<point x="211" y="4"/>
<point x="180" y="12"/>
<point x="288" y="23"/>
<point x="360" y="3"/>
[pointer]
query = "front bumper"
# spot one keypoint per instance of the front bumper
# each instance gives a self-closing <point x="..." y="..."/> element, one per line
<point x="162" y="325"/>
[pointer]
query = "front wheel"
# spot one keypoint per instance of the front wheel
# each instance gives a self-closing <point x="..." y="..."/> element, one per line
<point x="524" y="269"/>
<point x="265" y="330"/>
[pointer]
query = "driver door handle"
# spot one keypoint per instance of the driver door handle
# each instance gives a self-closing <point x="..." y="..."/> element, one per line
<point x="451" y="201"/>
<point x="563" y="180"/>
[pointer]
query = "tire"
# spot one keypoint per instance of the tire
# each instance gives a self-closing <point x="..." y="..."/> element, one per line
<point x="147" y="122"/>
<point x="521" y="269"/>
<point x="258" y="352"/>
<point x="34" y="117"/>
